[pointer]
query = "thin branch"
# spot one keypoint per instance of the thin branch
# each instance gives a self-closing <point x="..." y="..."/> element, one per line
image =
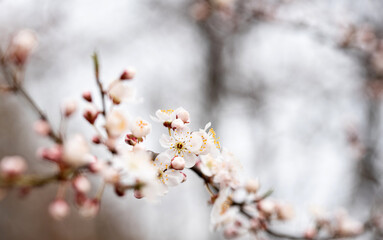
<point x="99" y="83"/>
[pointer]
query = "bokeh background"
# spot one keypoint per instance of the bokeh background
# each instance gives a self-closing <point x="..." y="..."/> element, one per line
<point x="282" y="94"/>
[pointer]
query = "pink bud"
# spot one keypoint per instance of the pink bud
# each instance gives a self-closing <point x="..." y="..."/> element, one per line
<point x="59" y="209"/>
<point x="81" y="184"/>
<point x="252" y="185"/>
<point x="96" y="140"/>
<point x="138" y="194"/>
<point x="53" y="154"/>
<point x="267" y="207"/>
<point x="69" y="107"/>
<point x="91" y="114"/>
<point x="87" y="96"/>
<point x="21" y="46"/>
<point x="177" y="123"/>
<point x="178" y="163"/>
<point x="128" y="74"/>
<point x="42" y="127"/>
<point x="310" y="233"/>
<point x="12" y="166"/>
<point x="184" y="115"/>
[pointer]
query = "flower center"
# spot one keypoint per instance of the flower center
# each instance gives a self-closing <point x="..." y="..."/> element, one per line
<point x="179" y="146"/>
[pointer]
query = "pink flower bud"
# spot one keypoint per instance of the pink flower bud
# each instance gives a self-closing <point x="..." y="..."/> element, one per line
<point x="96" y="140"/>
<point x="69" y="107"/>
<point x="87" y="96"/>
<point x="42" y="127"/>
<point x="178" y="163"/>
<point x="267" y="207"/>
<point x="12" y="166"/>
<point x="177" y="123"/>
<point x="81" y="184"/>
<point x="252" y="185"/>
<point x="183" y="115"/>
<point x="138" y="194"/>
<point x="59" y="209"/>
<point x="53" y="154"/>
<point x="21" y="46"/>
<point x="310" y="233"/>
<point x="90" y="208"/>
<point x="91" y="114"/>
<point x="128" y="74"/>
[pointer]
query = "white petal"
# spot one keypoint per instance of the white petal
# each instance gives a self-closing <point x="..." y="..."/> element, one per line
<point x="194" y="143"/>
<point x="163" y="160"/>
<point x="173" y="177"/>
<point x="207" y="126"/>
<point x="190" y="159"/>
<point x="166" y="141"/>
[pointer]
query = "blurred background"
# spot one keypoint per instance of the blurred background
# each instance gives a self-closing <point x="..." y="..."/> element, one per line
<point x="292" y="88"/>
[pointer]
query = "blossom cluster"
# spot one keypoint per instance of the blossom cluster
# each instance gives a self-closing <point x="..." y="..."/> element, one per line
<point x="238" y="206"/>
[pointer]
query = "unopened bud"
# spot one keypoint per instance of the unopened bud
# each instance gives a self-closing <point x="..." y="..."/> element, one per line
<point x="81" y="184"/>
<point x="12" y="166"/>
<point x="96" y="140"/>
<point x="22" y="45"/>
<point x="267" y="207"/>
<point x="128" y="74"/>
<point x="87" y="96"/>
<point x="138" y="194"/>
<point x="91" y="114"/>
<point x="178" y="163"/>
<point x="59" y="209"/>
<point x="53" y="154"/>
<point x="252" y="185"/>
<point x="69" y="107"/>
<point x="183" y="115"/>
<point x="42" y="127"/>
<point x="177" y="123"/>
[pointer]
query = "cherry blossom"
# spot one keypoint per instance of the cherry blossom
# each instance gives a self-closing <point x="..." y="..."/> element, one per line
<point x="116" y="123"/>
<point x="184" y="143"/>
<point x="167" y="175"/>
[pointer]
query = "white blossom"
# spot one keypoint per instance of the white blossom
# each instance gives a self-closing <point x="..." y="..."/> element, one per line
<point x="167" y="175"/>
<point x="119" y="92"/>
<point x="12" y="166"/>
<point x="185" y="144"/>
<point x="116" y="123"/>
<point x="76" y="151"/>
<point x="141" y="128"/>
<point x="59" y="209"/>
